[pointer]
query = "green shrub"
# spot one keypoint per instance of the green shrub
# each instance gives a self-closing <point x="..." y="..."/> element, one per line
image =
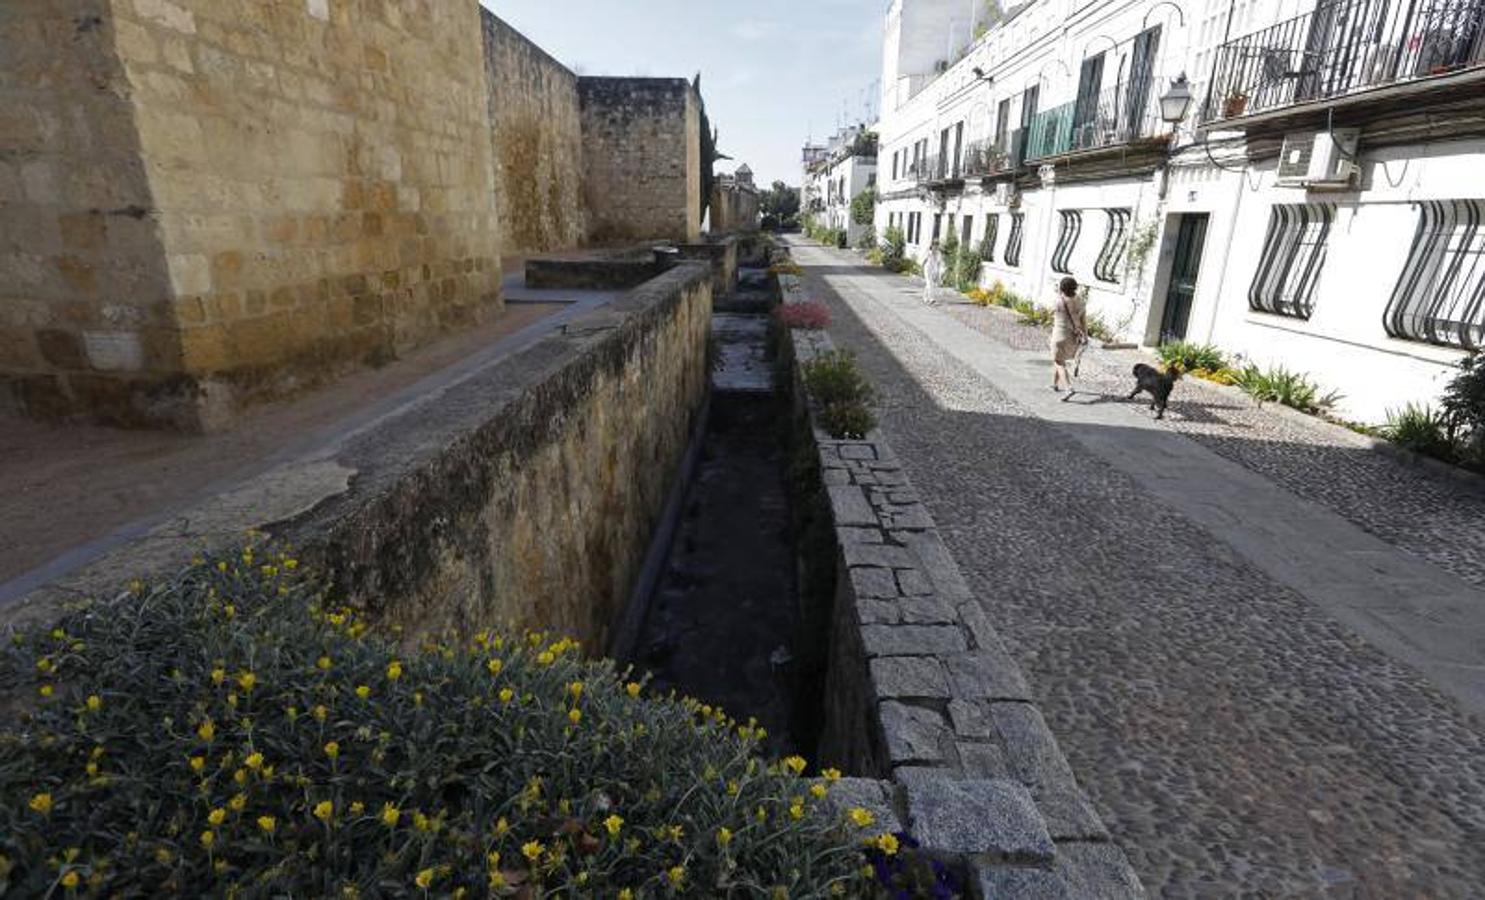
<point x="894" y="249"/>
<point x="967" y="269"/>
<point x="1422" y="430"/>
<point x="864" y="207"/>
<point x="868" y="239"/>
<point x="874" y="256"/>
<point x="1031" y="314"/>
<point x="1463" y="406"/>
<point x="847" y="420"/>
<point x="1098" y="329"/>
<point x="229" y="731"/>
<point x="948" y="252"/>
<point x="834" y="377"/>
<point x="1192" y="356"/>
<point x="911" y="266"/>
<point x="1279" y="385"/>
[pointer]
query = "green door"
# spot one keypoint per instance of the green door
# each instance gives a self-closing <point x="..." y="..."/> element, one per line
<point x="1182" y="291"/>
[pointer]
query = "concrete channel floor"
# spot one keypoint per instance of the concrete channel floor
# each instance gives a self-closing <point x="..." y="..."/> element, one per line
<point x="73" y="492"/>
<point x="1261" y="696"/>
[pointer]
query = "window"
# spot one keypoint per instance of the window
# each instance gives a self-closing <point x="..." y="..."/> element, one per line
<point x="987" y="243"/>
<point x="1440" y="296"/>
<point x="943" y="154"/>
<point x="966" y="231"/>
<point x="1115" y="239"/>
<point x="1293" y="255"/>
<point x="949" y="226"/>
<point x="958" y="146"/>
<point x="1141" y="79"/>
<point x="1002" y="122"/>
<point x="894" y="165"/>
<point x="1029" y="99"/>
<point x="1067" y="240"/>
<point x="1013" y="243"/>
<point x="938" y="224"/>
<point x="1085" y="109"/>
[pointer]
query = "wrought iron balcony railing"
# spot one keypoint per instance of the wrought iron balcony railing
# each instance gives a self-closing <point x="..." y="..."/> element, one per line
<point x="936" y="169"/>
<point x="984" y="158"/>
<point x="1121" y="114"/>
<point x="1342" y="47"/>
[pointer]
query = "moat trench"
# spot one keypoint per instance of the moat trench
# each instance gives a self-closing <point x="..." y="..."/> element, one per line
<point x="726" y="622"/>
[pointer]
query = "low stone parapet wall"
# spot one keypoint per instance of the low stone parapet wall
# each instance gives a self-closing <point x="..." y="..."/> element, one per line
<point x="923" y="701"/>
<point x="523" y="492"/>
<point x="721" y="255"/>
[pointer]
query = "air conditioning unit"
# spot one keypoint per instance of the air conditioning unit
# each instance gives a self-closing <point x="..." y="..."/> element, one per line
<point x="1323" y="159"/>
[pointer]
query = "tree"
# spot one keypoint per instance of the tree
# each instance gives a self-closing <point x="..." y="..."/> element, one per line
<point x="864" y="207"/>
<point x="779" y="200"/>
<point x="709" y="152"/>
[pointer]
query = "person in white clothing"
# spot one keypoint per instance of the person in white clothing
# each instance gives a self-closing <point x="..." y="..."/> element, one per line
<point x="933" y="271"/>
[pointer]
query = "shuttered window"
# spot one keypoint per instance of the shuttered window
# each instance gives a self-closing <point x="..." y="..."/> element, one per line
<point x="1067" y="240"/>
<point x="1013" y="243"/>
<point x="1293" y="257"/>
<point x="1440" y="296"/>
<point x="1115" y="239"/>
<point x="987" y="243"/>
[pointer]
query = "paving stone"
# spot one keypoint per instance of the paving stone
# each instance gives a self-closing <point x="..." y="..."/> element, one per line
<point x="909" y="677"/>
<point x="1079" y="871"/>
<point x="873" y="583"/>
<point x="912" y="583"/>
<point x="888" y="556"/>
<point x="877" y="612"/>
<point x="979" y="760"/>
<point x="925" y="611"/>
<point x="1030" y="747"/>
<point x="936" y="563"/>
<point x="915" y="516"/>
<point x="912" y="640"/>
<point x="984" y="634"/>
<point x="994" y="817"/>
<point x="970" y="719"/>
<point x="859" y="535"/>
<point x="835" y="476"/>
<point x="891" y="477"/>
<point x="849" y="507"/>
<point x="858" y="451"/>
<point x="914" y="734"/>
<point x="986" y="675"/>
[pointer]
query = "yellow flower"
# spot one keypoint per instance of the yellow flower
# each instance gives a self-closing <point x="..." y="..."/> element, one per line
<point x="229" y="611"/>
<point x="394" y="670"/>
<point x="323" y="810"/>
<point x="862" y="818"/>
<point x="422" y="822"/>
<point x="795" y="764"/>
<point x="323" y="664"/>
<point x="831" y="774"/>
<point x="502" y="827"/>
<point x="507" y="695"/>
<point x="613" y="824"/>
<point x="574" y="715"/>
<point x="532" y="850"/>
<point x="247" y="680"/>
<point x="546" y="658"/>
<point x="575" y="689"/>
<point x="632" y="688"/>
<point x="818" y="791"/>
<point x="41" y="803"/>
<point x="95" y="703"/>
<point x="494" y="665"/>
<point x="268" y="823"/>
<point x="357" y="807"/>
<point x="238" y="802"/>
<point x="676" y="875"/>
<point x="207" y="731"/>
<point x="208" y="838"/>
<point x="319" y="712"/>
<point x="217" y="816"/>
<point x="676" y="833"/>
<point x="363" y="691"/>
<point x="796" y="811"/>
<point x="887" y="843"/>
<point x="626" y="894"/>
<point x="493" y="858"/>
<point x="254" y="761"/>
<point x="332" y="750"/>
<point x="46" y="690"/>
<point x="417" y="698"/>
<point x="424" y="879"/>
<point x="497" y="881"/>
<point x="198" y="763"/>
<point x="724" y="836"/>
<point x="70" y="880"/>
<point x="162" y="856"/>
<point x="733" y="789"/>
<point x="92" y="769"/>
<point x="390" y="815"/>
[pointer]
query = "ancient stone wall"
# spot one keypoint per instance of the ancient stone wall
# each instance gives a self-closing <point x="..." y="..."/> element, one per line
<point x="310" y="181"/>
<point x="536" y="134"/>
<point x="734" y="208"/>
<point x="642" y="155"/>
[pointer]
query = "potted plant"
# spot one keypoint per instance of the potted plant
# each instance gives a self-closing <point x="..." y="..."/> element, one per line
<point x="1235" y="104"/>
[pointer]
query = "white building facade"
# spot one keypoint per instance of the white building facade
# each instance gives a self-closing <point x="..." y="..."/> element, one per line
<point x="1320" y="205"/>
<point x="845" y="169"/>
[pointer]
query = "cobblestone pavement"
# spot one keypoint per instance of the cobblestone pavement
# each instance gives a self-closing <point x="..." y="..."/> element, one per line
<point x="1235" y="738"/>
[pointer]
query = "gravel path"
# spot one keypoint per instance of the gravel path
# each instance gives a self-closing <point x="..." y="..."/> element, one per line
<point x="1236" y="740"/>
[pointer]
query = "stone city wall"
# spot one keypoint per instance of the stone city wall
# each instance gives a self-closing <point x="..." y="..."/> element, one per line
<point x="734" y="208"/>
<point x="536" y="133"/>
<point x="923" y="701"/>
<point x="642" y="156"/>
<point x="304" y="185"/>
<point x="524" y="494"/>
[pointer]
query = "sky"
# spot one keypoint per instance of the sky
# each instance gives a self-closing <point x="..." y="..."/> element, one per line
<point x="773" y="72"/>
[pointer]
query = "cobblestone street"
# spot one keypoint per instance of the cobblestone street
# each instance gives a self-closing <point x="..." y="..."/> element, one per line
<point x="1260" y="644"/>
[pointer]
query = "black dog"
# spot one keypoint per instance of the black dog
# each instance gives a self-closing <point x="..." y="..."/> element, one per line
<point x="1157" y="383"/>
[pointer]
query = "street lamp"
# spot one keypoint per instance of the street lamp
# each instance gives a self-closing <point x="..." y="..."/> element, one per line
<point x="1176" y="102"/>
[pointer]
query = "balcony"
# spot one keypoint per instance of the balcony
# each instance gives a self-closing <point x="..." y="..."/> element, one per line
<point x="1124" y="114"/>
<point x="983" y="159"/>
<point x="937" y="171"/>
<point x="1344" y="47"/>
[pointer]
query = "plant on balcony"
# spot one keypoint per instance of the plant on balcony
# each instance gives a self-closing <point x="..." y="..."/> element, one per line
<point x="227" y="731"/>
<point x="1234" y="104"/>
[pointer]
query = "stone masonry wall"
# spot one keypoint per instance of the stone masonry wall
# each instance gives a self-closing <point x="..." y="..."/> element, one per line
<point x="536" y="134"/>
<point x="923" y="700"/>
<point x="85" y="312"/>
<point x="315" y="176"/>
<point x="642" y="156"/>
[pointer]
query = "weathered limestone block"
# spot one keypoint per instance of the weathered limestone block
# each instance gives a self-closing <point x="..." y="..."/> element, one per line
<point x="993" y="818"/>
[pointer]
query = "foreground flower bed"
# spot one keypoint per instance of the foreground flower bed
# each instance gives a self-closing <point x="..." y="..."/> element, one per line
<point x="229" y="731"/>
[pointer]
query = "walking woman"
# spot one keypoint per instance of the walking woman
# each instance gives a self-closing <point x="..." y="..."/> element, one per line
<point x="933" y="272"/>
<point x="1069" y="331"/>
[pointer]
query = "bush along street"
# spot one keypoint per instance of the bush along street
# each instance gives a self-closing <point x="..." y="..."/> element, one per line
<point x="231" y="730"/>
<point x="835" y="382"/>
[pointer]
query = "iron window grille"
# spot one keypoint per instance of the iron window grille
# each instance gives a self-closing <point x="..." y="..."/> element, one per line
<point x="1293" y="257"/>
<point x="1013" y="242"/>
<point x="987" y="243"/>
<point x="1440" y="296"/>
<point x="1115" y="240"/>
<point x="1067" y="240"/>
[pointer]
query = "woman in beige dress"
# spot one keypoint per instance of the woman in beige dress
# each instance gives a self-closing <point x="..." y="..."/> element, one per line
<point x="1069" y="331"/>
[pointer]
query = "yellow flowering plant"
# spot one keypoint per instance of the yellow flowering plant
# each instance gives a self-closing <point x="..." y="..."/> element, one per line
<point x="197" y="770"/>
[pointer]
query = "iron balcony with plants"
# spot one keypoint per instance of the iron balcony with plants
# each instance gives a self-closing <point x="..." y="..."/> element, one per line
<point x="1344" y="47"/>
<point x="1127" y="113"/>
